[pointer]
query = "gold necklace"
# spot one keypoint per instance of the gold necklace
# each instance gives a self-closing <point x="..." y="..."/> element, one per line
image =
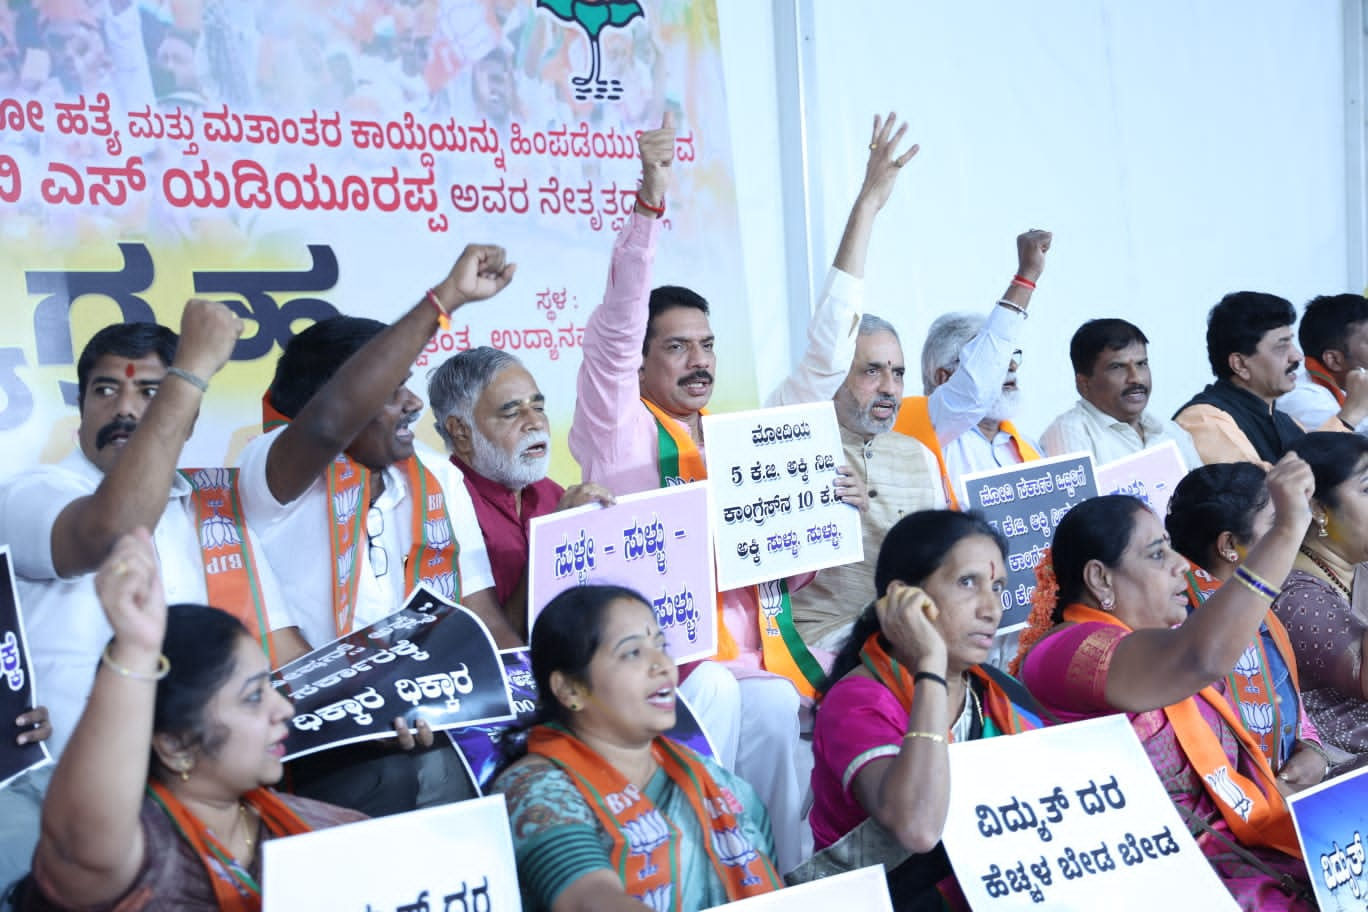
<point x="1331" y="575"/>
<point x="247" y="837"/>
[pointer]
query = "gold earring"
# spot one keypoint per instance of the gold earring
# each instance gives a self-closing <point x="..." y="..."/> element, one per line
<point x="1321" y="523"/>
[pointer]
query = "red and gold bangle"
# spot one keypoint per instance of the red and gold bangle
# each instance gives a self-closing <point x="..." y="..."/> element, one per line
<point x="443" y="318"/>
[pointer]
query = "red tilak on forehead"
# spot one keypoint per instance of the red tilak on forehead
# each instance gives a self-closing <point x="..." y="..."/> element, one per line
<point x="128" y="370"/>
<point x="992" y="569"/>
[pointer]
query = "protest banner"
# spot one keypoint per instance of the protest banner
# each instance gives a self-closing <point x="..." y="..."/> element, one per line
<point x="1071" y="817"/>
<point x="656" y="542"/>
<point x="865" y="890"/>
<point x="1025" y="502"/>
<point x="479" y="745"/>
<point x="774" y="507"/>
<point x="429" y="660"/>
<point x="1331" y="819"/>
<point x="297" y="165"/>
<point x="453" y="858"/>
<point x="19" y="693"/>
<point x="1150" y="475"/>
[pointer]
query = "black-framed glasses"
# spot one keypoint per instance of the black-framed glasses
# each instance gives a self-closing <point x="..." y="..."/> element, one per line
<point x="375" y="527"/>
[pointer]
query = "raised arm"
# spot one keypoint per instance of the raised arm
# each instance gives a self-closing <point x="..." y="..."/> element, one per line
<point x="1156" y="667"/>
<point x="909" y="794"/>
<point x="607" y="385"/>
<point x="961" y="401"/>
<point x="833" y="328"/>
<point x="92" y="845"/>
<point x="326" y="425"/>
<point x="134" y="492"/>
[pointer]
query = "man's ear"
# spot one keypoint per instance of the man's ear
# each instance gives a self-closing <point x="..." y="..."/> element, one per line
<point x="1334" y="360"/>
<point x="1238" y="366"/>
<point x="942" y="374"/>
<point x="459" y="433"/>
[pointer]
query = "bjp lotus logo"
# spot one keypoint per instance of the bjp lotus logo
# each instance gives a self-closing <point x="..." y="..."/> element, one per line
<point x="594" y="17"/>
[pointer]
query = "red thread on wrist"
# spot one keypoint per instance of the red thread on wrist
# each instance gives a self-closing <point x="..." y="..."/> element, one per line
<point x="443" y="318"/>
<point x="1024" y="282"/>
<point x="659" y="211"/>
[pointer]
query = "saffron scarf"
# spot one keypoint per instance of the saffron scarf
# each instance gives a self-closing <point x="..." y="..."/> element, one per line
<point x="1006" y="716"/>
<point x="1321" y="377"/>
<point x="645" y="842"/>
<point x="433" y="555"/>
<point x="231" y="579"/>
<point x="235" y="889"/>
<point x="783" y="649"/>
<point x="914" y="420"/>
<point x="1253" y="808"/>
<point x="1248" y="685"/>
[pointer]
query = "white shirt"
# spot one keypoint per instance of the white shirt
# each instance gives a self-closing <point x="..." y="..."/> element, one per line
<point x="65" y="624"/>
<point x="1086" y="427"/>
<point x="297" y="539"/>
<point x="960" y="402"/>
<point x="972" y="452"/>
<point x="1312" y="404"/>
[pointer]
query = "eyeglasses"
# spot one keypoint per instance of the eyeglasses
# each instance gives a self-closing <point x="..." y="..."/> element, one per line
<point x="375" y="527"/>
<point x="1017" y="356"/>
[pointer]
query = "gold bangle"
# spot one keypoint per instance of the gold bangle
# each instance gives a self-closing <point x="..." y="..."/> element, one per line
<point x="929" y="736"/>
<point x="163" y="667"/>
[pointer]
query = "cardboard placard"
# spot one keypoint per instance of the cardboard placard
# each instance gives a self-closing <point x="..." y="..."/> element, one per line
<point x="1150" y="475"/>
<point x="1331" y="819"/>
<point x="430" y="660"/>
<point x="17" y="691"/>
<point x="1025" y="502"/>
<point x="655" y="542"/>
<point x="774" y="508"/>
<point x="457" y="858"/>
<point x="1071" y="817"/>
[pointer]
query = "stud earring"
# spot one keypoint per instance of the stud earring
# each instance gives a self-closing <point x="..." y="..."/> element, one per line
<point x="1108" y="603"/>
<point x="1231" y="556"/>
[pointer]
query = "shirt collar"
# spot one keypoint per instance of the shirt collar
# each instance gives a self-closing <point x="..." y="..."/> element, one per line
<point x="1148" y="423"/>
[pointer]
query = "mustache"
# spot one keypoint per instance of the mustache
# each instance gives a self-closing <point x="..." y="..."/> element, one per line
<point x="696" y="375"/>
<point x="888" y="401"/>
<point x="1294" y="368"/>
<point x="532" y="438"/>
<point x="1135" y="388"/>
<point x="118" y="426"/>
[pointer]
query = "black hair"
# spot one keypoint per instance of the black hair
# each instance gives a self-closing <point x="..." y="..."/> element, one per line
<point x="1237" y="324"/>
<point x="1326" y="320"/>
<point x="1333" y="458"/>
<point x="668" y="297"/>
<point x="1097" y="336"/>
<point x="1211" y="499"/>
<point x="124" y="340"/>
<point x="200" y="645"/>
<point x="912" y="550"/>
<point x="565" y="637"/>
<point x="313" y="356"/>
<point x="1098" y="529"/>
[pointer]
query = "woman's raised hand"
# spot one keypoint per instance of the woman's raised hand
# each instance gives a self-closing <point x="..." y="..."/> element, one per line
<point x="1290" y="486"/>
<point x="905" y="615"/>
<point x="130" y="590"/>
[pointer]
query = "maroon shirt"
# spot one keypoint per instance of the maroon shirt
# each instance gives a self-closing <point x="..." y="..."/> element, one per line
<point x="505" y="532"/>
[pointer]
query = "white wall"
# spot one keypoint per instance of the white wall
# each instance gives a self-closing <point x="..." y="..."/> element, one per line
<point x="1178" y="151"/>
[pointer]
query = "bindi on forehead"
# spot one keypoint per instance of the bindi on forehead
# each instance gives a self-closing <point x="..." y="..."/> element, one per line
<point x="129" y="370"/>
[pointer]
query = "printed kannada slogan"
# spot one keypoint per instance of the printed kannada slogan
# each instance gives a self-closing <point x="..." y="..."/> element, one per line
<point x="18" y="695"/>
<point x="775" y="508"/>
<point x="1331" y="819"/>
<point x="1082" y="822"/>
<point x="1025" y="502"/>
<point x="479" y="745"/>
<point x="430" y="660"/>
<point x="1150" y="475"/>
<point x="453" y="858"/>
<point x="656" y="542"/>
<point x="297" y="166"/>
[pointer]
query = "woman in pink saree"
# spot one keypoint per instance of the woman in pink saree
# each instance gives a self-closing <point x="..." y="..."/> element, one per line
<point x="1118" y="638"/>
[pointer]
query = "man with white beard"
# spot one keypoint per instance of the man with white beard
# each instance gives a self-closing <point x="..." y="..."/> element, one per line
<point x="492" y="415"/>
<point x="969" y="372"/>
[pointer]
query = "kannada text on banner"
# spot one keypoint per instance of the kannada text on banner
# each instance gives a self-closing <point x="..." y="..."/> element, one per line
<point x="429" y="660"/>
<point x="19" y="691"/>
<point x="775" y="508"/>
<point x="655" y="542"/>
<point x="1151" y="475"/>
<point x="1331" y="819"/>
<point x="1082" y="822"/>
<point x="298" y="160"/>
<point x="453" y="858"/>
<point x="1025" y="502"/>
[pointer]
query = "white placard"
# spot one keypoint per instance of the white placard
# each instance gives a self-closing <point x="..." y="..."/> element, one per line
<point x="865" y="890"/>
<point x="1150" y="475"/>
<point x="454" y="857"/>
<point x="774" y="510"/>
<point x="1071" y="817"/>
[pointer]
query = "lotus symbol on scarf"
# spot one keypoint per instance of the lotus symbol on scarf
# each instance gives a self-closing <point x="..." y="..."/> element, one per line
<point x="437" y="532"/>
<point x="736" y="851"/>
<point x="593" y="17"/>
<point x="1226" y="790"/>
<point x="645" y="834"/>
<point x="444" y="584"/>
<point x="1258" y="717"/>
<point x="1247" y="665"/>
<point x="218" y="531"/>
<point x="205" y="479"/>
<point x="345" y="504"/>
<point x="661" y="899"/>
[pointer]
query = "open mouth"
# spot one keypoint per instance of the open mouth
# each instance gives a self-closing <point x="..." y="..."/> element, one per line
<point x="1135" y="394"/>
<point x="982" y="640"/>
<point x="663" y="699"/>
<point x="535" y="451"/>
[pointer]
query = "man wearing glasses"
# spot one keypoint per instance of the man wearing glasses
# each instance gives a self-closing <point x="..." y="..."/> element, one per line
<point x="969" y="373"/>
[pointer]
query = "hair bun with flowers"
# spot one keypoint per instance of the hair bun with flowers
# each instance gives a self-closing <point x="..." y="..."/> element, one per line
<point x="1041" y="618"/>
